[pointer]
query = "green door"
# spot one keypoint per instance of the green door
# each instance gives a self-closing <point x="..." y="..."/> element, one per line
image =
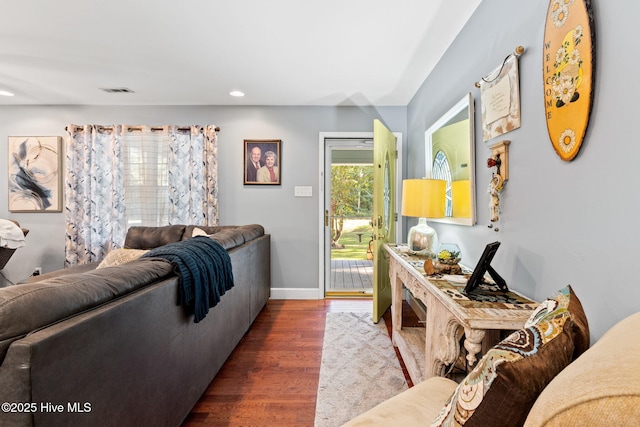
<point x="384" y="214"/>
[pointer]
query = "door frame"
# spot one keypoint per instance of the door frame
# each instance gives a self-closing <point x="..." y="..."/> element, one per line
<point x="325" y="181"/>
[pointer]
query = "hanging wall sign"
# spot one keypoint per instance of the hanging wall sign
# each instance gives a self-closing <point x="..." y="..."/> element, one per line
<point x="500" y="98"/>
<point x="568" y="71"/>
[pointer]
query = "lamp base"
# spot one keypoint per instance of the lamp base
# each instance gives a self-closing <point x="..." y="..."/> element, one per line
<point x="423" y="237"/>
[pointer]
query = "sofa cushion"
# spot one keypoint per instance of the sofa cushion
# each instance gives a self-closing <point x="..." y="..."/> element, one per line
<point x="48" y="301"/>
<point x="251" y="231"/>
<point x="152" y="237"/>
<point x="229" y="236"/>
<point x="121" y="256"/>
<point x="505" y="383"/>
<point x="228" y="239"/>
<point x="80" y="268"/>
<point x="600" y="388"/>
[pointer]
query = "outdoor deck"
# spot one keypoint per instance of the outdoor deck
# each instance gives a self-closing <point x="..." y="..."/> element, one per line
<point x="351" y="276"/>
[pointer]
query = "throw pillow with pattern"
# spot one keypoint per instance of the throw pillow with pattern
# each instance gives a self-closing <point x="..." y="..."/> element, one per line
<point x="503" y="386"/>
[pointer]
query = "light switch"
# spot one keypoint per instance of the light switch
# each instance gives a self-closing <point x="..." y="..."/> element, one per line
<point x="303" y="191"/>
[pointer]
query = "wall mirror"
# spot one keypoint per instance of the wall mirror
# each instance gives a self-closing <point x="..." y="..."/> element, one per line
<point x="449" y="148"/>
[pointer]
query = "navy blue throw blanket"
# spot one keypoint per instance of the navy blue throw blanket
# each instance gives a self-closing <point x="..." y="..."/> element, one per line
<point x="204" y="267"/>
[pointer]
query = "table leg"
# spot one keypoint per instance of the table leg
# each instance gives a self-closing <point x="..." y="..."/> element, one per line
<point x="473" y="343"/>
<point x="442" y="341"/>
<point x="396" y="297"/>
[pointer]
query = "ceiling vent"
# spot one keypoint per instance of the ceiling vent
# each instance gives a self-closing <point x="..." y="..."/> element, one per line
<point x="118" y="90"/>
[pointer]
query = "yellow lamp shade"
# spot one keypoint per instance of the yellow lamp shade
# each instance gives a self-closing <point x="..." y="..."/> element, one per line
<point x="423" y="198"/>
<point x="461" y="199"/>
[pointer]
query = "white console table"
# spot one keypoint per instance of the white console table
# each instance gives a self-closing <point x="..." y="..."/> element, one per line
<point x="450" y="314"/>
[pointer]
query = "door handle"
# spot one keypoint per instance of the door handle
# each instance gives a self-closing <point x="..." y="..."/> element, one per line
<point x="326" y="217"/>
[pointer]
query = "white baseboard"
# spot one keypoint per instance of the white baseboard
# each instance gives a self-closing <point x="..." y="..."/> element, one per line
<point x="295" y="293"/>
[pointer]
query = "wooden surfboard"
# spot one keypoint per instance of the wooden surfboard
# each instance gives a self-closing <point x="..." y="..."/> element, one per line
<point x="568" y="71"/>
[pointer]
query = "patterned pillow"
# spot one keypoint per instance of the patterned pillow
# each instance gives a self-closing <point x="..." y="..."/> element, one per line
<point x="503" y="386"/>
<point x="566" y="299"/>
<point x="121" y="256"/>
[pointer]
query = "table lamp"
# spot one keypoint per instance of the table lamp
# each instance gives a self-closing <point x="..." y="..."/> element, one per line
<point x="423" y="198"/>
<point x="461" y="199"/>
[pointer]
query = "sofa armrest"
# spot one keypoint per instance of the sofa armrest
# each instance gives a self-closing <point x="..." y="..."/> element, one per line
<point x="601" y="387"/>
<point x="417" y="406"/>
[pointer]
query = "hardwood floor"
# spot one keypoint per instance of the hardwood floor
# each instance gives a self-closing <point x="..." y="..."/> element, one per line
<point x="271" y="378"/>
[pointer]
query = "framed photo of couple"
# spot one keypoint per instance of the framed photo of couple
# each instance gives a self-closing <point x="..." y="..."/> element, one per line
<point x="262" y="161"/>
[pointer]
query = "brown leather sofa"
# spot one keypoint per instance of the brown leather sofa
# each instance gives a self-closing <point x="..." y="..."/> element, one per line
<point x="111" y="347"/>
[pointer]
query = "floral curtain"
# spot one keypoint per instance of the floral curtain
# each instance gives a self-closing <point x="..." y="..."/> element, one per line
<point x="95" y="190"/>
<point x="193" y="175"/>
<point x="94" y="193"/>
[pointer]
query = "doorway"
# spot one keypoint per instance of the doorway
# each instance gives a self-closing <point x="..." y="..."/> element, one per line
<point x="349" y="181"/>
<point x="346" y="231"/>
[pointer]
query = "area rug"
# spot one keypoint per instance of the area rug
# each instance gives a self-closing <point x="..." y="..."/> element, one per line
<point x="359" y="368"/>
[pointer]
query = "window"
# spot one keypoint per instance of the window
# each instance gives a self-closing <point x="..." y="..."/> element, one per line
<point x="145" y="157"/>
<point x="442" y="170"/>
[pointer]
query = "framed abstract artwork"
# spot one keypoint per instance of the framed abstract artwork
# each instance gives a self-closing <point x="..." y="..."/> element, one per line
<point x="568" y="71"/>
<point x="262" y="161"/>
<point x="35" y="178"/>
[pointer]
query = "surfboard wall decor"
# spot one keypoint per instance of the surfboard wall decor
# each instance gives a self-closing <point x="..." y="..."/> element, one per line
<point x="568" y="72"/>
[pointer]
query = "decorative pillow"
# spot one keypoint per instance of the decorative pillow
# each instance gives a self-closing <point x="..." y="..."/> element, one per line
<point x="198" y="232"/>
<point x="503" y="386"/>
<point x="567" y="300"/>
<point x="121" y="256"/>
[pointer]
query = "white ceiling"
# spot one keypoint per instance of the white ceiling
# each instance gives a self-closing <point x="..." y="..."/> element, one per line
<point x="194" y="52"/>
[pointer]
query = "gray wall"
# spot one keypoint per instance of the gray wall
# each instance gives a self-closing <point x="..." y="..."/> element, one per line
<point x="292" y="222"/>
<point x="562" y="222"/>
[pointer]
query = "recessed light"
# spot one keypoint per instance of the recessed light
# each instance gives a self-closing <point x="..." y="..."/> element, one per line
<point x="117" y="90"/>
<point x="236" y="93"/>
<point x="5" y="93"/>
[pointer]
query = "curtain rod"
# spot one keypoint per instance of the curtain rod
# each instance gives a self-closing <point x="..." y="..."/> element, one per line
<point x="138" y="128"/>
